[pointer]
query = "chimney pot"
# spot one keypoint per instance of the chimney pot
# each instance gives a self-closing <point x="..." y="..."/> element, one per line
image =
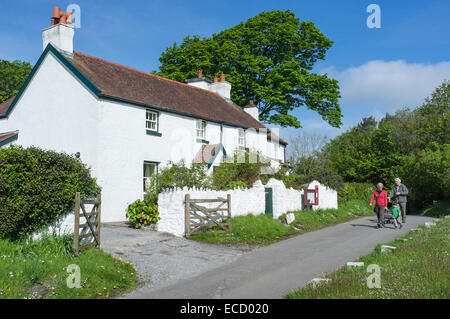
<point x="216" y="80"/>
<point x="56" y="11"/>
<point x="199" y="73"/>
<point x="251" y="102"/>
<point x="222" y="77"/>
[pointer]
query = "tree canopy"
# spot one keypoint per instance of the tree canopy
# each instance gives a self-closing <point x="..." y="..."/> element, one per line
<point x="12" y="76"/>
<point x="267" y="59"/>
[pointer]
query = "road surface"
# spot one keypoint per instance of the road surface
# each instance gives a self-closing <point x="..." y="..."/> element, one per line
<point x="274" y="270"/>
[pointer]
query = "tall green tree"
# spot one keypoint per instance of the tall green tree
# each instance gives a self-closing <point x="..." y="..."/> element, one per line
<point x="12" y="76"/>
<point x="267" y="59"/>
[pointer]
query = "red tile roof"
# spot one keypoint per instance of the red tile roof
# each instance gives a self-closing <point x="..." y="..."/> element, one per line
<point x="5" y="105"/>
<point x="132" y="85"/>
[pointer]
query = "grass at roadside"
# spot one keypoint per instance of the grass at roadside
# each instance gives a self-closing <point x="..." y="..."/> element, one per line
<point x="418" y="268"/>
<point x="263" y="230"/>
<point x="312" y="220"/>
<point x="38" y="269"/>
<point x="260" y="230"/>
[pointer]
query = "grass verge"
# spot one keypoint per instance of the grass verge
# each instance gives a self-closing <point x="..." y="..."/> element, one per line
<point x="38" y="269"/>
<point x="260" y="230"/>
<point x="263" y="230"/>
<point x="418" y="268"/>
<point x="312" y="220"/>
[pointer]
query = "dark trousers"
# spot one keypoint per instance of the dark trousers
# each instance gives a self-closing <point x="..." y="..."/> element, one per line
<point x="379" y="210"/>
<point x="403" y="210"/>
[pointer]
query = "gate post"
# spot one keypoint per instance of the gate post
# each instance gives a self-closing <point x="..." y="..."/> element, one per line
<point x="76" y="227"/>
<point x="229" y="211"/>
<point x="187" y="215"/>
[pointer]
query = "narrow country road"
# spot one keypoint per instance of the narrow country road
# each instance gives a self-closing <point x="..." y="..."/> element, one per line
<point x="274" y="270"/>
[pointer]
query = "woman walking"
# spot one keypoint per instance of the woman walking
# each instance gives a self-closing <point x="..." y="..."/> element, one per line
<point x="381" y="202"/>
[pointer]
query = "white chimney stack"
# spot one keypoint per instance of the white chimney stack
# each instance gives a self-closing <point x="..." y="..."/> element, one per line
<point x="61" y="33"/>
<point x="252" y="110"/>
<point x="223" y="88"/>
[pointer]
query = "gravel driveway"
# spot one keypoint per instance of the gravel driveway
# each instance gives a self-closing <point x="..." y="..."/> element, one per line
<point x="161" y="258"/>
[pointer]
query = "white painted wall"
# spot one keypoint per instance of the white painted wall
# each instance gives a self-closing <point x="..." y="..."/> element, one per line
<point x="57" y="112"/>
<point x="327" y="196"/>
<point x="243" y="202"/>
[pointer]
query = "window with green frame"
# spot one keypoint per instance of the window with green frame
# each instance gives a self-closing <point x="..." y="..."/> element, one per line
<point x="152" y="122"/>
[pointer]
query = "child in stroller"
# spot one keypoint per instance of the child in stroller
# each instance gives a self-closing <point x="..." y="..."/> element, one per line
<point x="392" y="214"/>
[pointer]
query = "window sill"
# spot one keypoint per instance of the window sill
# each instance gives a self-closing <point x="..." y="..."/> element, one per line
<point x="199" y="140"/>
<point x="150" y="132"/>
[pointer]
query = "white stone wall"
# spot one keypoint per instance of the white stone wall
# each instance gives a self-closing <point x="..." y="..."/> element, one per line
<point x="171" y="204"/>
<point x="243" y="202"/>
<point x="327" y="196"/>
<point x="284" y="199"/>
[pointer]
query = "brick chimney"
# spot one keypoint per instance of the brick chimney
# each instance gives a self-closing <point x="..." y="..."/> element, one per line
<point x="61" y="33"/>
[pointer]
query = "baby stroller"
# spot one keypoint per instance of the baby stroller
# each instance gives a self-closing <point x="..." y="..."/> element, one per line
<point x="388" y="216"/>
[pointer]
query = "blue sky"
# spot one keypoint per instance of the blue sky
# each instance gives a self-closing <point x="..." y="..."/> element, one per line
<point x="379" y="70"/>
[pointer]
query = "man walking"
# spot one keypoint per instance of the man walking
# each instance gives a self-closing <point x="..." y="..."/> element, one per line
<point x="399" y="192"/>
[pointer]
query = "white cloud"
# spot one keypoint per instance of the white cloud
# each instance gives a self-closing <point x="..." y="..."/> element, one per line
<point x="389" y="85"/>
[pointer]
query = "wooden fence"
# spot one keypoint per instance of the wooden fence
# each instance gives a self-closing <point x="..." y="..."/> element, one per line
<point x="90" y="229"/>
<point x="197" y="216"/>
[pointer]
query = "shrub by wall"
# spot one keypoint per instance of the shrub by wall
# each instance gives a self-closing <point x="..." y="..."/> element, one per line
<point x="356" y="191"/>
<point x="38" y="186"/>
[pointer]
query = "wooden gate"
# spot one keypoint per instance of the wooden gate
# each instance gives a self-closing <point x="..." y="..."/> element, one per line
<point x="90" y="228"/>
<point x="197" y="216"/>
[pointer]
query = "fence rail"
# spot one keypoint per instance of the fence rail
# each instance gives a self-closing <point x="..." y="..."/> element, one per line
<point x="90" y="229"/>
<point x="197" y="216"/>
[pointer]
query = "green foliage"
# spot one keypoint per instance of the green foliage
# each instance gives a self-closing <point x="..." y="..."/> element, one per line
<point x="352" y="191"/>
<point x="40" y="266"/>
<point x="268" y="59"/>
<point x="177" y="175"/>
<point x="142" y="213"/>
<point x="413" y="145"/>
<point x="12" y="76"/>
<point x="236" y="184"/>
<point x="428" y="175"/>
<point x="37" y="187"/>
<point x="244" y="168"/>
<point x="309" y="168"/>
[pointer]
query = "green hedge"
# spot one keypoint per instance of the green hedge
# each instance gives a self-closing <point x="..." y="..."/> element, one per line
<point x="359" y="191"/>
<point x="38" y="186"/>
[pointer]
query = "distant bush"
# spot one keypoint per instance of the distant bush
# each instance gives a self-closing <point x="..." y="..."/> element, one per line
<point x="37" y="186"/>
<point x="142" y="213"/>
<point x="237" y="184"/>
<point x="356" y="191"/>
<point x="177" y="175"/>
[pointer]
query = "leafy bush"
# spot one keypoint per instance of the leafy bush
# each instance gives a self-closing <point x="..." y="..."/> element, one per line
<point x="142" y="212"/>
<point x="355" y="191"/>
<point x="309" y="168"/>
<point x="237" y="184"/>
<point x="38" y="186"/>
<point x="245" y="168"/>
<point x="177" y="175"/>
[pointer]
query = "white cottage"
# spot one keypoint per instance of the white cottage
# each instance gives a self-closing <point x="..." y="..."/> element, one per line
<point x="125" y="123"/>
